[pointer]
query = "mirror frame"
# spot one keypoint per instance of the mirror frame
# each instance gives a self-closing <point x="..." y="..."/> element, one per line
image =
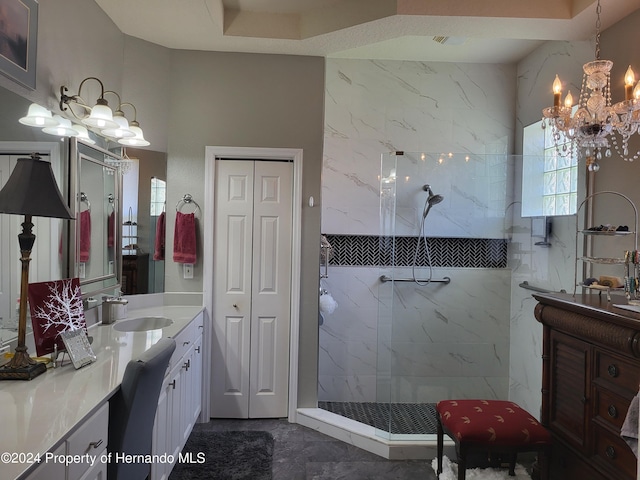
<point x="93" y="286"/>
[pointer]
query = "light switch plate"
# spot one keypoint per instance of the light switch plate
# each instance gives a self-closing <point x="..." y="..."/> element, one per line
<point x="188" y="270"/>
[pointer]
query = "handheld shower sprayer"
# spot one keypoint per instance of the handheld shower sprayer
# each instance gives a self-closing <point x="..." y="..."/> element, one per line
<point x="432" y="199"/>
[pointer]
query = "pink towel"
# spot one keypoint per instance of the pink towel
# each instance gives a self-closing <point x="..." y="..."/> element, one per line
<point x="184" y="238"/>
<point x="158" y="247"/>
<point x="111" y="229"/>
<point x="85" y="235"/>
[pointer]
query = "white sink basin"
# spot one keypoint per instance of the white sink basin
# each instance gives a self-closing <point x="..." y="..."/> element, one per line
<point x="142" y="324"/>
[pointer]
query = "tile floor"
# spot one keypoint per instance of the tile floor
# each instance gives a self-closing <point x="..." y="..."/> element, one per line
<point x="301" y="453"/>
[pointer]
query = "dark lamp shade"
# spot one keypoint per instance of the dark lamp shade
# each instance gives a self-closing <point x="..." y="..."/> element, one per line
<point x="32" y="190"/>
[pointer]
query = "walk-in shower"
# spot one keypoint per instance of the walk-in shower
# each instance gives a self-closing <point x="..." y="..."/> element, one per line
<point x="395" y="347"/>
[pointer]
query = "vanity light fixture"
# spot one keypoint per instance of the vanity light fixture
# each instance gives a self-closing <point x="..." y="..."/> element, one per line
<point x="83" y="134"/>
<point x="122" y="130"/>
<point x="38" y="116"/>
<point x="112" y="124"/>
<point x="62" y="128"/>
<point x="596" y="122"/>
<point x="32" y="191"/>
<point x="138" y="139"/>
<point x="100" y="115"/>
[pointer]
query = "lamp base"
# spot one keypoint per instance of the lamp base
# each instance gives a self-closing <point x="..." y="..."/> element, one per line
<point x="26" y="372"/>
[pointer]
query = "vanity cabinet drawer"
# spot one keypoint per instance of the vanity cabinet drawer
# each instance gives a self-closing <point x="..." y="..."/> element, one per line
<point x="610" y="408"/>
<point x="613" y="454"/>
<point x="184" y="341"/>
<point x="616" y="371"/>
<point x="90" y="438"/>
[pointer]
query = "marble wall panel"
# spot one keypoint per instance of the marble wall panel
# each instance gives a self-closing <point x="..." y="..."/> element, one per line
<point x="377" y="107"/>
<point x="420" y="334"/>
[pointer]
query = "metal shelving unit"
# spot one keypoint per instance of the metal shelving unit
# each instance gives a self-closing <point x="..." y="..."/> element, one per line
<point x="588" y="260"/>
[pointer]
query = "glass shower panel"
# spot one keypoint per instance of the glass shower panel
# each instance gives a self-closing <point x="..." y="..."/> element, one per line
<point x="444" y="291"/>
<point x="388" y="177"/>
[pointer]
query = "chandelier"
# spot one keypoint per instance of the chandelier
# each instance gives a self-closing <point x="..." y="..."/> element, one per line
<point x="594" y="125"/>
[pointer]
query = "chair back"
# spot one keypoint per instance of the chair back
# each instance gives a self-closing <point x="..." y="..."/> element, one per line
<point x="132" y="410"/>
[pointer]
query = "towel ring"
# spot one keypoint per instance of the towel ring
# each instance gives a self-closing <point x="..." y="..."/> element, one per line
<point x="186" y="200"/>
<point x="85" y="199"/>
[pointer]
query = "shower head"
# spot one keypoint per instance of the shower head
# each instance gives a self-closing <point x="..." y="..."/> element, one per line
<point x="432" y="199"/>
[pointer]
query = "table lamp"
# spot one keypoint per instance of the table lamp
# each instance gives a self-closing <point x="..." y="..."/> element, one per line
<point x="30" y="191"/>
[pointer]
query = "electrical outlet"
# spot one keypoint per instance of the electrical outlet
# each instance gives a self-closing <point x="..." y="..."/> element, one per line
<point x="188" y="270"/>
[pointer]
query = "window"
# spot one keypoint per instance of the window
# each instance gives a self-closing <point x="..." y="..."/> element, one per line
<point x="158" y="196"/>
<point x="549" y="174"/>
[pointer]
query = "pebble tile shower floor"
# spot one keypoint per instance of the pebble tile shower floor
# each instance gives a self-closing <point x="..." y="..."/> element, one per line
<point x="406" y="418"/>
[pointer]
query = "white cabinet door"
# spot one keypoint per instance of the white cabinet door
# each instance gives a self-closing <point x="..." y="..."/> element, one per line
<point x="161" y="431"/>
<point x="50" y="470"/>
<point x="97" y="472"/>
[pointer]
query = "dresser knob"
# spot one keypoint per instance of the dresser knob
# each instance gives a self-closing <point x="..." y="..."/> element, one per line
<point x="612" y="370"/>
<point x="612" y="411"/>
<point x="610" y="452"/>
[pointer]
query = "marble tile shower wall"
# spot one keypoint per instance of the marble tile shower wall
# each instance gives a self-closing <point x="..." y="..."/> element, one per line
<point x="443" y="336"/>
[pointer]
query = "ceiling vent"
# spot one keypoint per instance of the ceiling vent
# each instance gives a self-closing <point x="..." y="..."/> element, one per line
<point x="449" y="40"/>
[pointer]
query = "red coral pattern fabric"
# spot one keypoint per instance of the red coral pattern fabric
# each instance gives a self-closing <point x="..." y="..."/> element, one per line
<point x="491" y="422"/>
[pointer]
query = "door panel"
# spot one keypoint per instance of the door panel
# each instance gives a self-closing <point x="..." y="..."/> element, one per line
<point x="270" y="311"/>
<point x="232" y="285"/>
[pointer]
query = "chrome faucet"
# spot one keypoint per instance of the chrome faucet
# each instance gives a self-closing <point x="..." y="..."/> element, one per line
<point x="108" y="310"/>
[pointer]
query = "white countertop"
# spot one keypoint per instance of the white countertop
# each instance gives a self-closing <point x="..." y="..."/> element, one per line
<point x="36" y="415"/>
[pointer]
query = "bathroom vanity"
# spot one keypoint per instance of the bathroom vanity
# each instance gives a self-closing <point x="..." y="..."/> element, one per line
<point x="591" y="372"/>
<point x="65" y="411"/>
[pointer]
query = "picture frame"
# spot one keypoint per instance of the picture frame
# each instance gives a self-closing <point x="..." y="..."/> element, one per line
<point x="55" y="307"/>
<point x="18" y="40"/>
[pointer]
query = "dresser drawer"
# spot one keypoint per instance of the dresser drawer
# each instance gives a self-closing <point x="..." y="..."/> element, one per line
<point x="613" y="455"/>
<point x="617" y="371"/>
<point x="610" y="408"/>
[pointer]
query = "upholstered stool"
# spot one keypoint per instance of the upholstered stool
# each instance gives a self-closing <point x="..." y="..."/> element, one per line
<point x="495" y="426"/>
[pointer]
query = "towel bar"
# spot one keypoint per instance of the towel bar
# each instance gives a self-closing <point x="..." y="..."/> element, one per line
<point x="526" y="285"/>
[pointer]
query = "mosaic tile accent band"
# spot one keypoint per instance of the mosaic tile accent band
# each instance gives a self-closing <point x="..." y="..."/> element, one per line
<point x="374" y="250"/>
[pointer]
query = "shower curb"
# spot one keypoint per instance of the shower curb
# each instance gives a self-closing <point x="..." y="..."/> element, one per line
<point x="366" y="437"/>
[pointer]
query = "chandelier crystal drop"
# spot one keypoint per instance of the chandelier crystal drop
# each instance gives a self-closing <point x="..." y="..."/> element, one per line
<point x="594" y="124"/>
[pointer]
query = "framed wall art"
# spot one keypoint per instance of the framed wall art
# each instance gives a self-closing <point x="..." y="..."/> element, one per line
<point x="55" y="307"/>
<point x="18" y="40"/>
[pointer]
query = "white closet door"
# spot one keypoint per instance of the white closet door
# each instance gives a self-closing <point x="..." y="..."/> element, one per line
<point x="252" y="284"/>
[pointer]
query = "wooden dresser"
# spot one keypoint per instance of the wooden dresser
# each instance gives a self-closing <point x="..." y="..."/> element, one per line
<point x="591" y="372"/>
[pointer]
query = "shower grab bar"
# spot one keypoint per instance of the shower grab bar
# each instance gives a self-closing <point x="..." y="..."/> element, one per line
<point x="526" y="285"/>
<point x="386" y="278"/>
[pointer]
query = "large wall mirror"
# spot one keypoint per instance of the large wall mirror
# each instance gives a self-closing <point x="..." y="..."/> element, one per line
<point x="49" y="257"/>
<point x="52" y="256"/>
<point x="95" y="186"/>
<point x="144" y="185"/>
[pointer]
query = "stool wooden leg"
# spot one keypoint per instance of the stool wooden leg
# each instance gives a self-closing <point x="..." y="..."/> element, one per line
<point x="512" y="465"/>
<point x="462" y="462"/>
<point x="440" y="433"/>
